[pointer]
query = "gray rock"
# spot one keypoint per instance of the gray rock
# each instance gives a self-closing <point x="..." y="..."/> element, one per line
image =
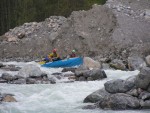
<point x="89" y="79"/>
<point x="90" y="63"/>
<point x="52" y="80"/>
<point x="120" y="101"/>
<point x="135" y="63"/>
<point x="89" y="107"/>
<point x="143" y="78"/>
<point x="96" y="74"/>
<point x="144" y="95"/>
<point x="7" y="76"/>
<point x="118" y="86"/>
<point x="30" y="81"/>
<point x="1" y="65"/>
<point x="30" y="70"/>
<point x="117" y="64"/>
<point x="133" y="92"/>
<point x="19" y="81"/>
<point x="96" y="96"/>
<point x="145" y="104"/>
<point x="148" y="60"/>
<point x="69" y="69"/>
<point x="81" y="78"/>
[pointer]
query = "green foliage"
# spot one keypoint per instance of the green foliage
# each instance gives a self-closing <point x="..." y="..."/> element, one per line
<point x="17" y="12"/>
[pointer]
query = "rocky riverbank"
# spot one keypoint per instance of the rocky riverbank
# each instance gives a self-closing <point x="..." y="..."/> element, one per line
<point x="132" y="93"/>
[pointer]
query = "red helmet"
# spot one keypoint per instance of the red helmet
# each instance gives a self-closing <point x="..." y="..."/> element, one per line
<point x="54" y="50"/>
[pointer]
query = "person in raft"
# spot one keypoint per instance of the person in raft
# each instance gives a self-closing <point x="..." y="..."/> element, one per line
<point x="54" y="56"/>
<point x="73" y="54"/>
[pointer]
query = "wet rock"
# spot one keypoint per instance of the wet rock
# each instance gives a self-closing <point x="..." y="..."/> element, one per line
<point x="143" y="78"/>
<point x="135" y="63"/>
<point x="2" y="80"/>
<point x="30" y="70"/>
<point x="19" y="81"/>
<point x="117" y="64"/>
<point x="96" y="74"/>
<point x="56" y="73"/>
<point x="52" y="80"/>
<point x="30" y="81"/>
<point x="105" y="66"/>
<point x="89" y="79"/>
<point x="144" y="95"/>
<point x="7" y="76"/>
<point x="9" y="98"/>
<point x="90" y="63"/>
<point x="145" y="104"/>
<point x="96" y="96"/>
<point x="89" y="107"/>
<point x="81" y="78"/>
<point x="120" y="101"/>
<point x="1" y="65"/>
<point x="69" y="69"/>
<point x="118" y="86"/>
<point x="72" y="77"/>
<point x="133" y="92"/>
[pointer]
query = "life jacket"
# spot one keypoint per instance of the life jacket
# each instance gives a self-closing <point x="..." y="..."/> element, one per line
<point x="72" y="55"/>
<point x="53" y="55"/>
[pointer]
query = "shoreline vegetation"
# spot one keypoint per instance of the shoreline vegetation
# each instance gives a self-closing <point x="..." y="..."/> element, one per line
<point x="16" y="12"/>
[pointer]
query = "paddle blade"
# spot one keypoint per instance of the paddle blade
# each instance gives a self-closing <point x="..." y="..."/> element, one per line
<point x="42" y="62"/>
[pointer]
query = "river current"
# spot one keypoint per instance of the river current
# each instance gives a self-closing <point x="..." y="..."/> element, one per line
<point x="57" y="98"/>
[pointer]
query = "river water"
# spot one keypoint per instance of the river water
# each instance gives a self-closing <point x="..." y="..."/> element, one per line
<point x="57" y="98"/>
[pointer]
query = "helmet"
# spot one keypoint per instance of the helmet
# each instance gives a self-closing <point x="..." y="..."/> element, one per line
<point x="73" y="51"/>
<point x="54" y="50"/>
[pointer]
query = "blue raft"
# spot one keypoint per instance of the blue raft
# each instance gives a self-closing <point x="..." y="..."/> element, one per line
<point x="71" y="62"/>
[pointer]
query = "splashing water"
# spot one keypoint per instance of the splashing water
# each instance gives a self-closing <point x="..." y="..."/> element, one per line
<point x="56" y="98"/>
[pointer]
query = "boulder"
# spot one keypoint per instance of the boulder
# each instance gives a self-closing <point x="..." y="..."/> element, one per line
<point x="30" y="70"/>
<point x="95" y="74"/>
<point x="81" y="78"/>
<point x="144" y="95"/>
<point x="118" y="64"/>
<point x="90" y="63"/>
<point x="9" y="98"/>
<point x="120" y="101"/>
<point x="135" y="63"/>
<point x="118" y="86"/>
<point x="30" y="81"/>
<point x="19" y="81"/>
<point x="96" y="96"/>
<point x="147" y="59"/>
<point x="1" y="65"/>
<point x="143" y="78"/>
<point x="145" y="104"/>
<point x="7" y="76"/>
<point x="133" y="92"/>
<point x="52" y="80"/>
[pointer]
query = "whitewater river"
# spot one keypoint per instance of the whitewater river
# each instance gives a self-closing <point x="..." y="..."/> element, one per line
<point x="59" y="97"/>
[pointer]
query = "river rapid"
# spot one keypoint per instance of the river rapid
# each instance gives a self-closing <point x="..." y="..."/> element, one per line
<point x="57" y="98"/>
